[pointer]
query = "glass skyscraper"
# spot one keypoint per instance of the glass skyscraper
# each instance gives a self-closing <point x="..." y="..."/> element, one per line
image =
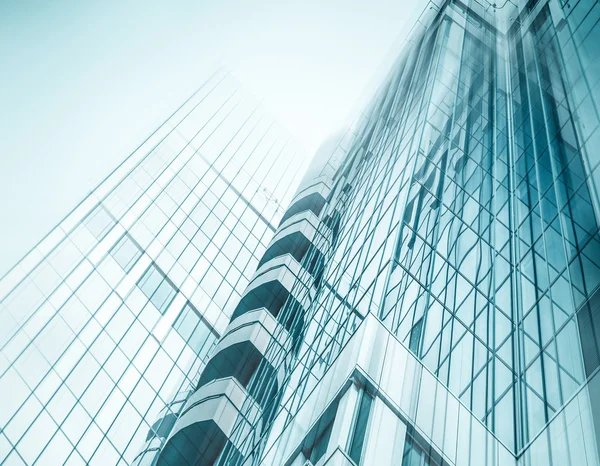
<point x="427" y="294"/>
<point x="110" y="319"/>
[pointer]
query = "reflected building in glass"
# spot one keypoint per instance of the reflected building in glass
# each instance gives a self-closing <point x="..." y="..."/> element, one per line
<point x="429" y="295"/>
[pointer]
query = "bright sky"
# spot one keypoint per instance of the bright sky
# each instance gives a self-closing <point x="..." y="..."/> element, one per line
<point x="84" y="82"/>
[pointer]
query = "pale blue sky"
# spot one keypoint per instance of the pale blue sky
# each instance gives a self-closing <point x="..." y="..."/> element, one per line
<point x="84" y="82"/>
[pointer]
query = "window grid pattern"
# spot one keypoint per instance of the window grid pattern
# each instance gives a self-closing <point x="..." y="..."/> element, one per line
<point x="467" y="196"/>
<point x="469" y="220"/>
<point x="90" y="355"/>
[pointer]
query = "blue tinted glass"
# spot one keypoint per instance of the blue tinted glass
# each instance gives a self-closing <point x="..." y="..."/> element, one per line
<point x="126" y="253"/>
<point x="99" y="222"/>
<point x="159" y="290"/>
<point x="358" y="438"/>
<point x="195" y="331"/>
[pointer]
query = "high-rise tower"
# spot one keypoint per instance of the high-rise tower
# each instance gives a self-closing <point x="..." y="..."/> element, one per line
<point x="429" y="296"/>
<point x="109" y="319"/>
<point x="468" y="241"/>
<point x="455" y="317"/>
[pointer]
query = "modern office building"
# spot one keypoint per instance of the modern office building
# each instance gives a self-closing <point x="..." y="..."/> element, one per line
<point x="428" y="296"/>
<point x="111" y="317"/>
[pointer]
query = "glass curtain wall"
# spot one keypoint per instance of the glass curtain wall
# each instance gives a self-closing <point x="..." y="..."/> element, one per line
<point x="109" y="320"/>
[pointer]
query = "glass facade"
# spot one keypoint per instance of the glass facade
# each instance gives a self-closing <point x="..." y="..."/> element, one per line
<point x="428" y="296"/>
<point x="471" y="228"/>
<point x="114" y="313"/>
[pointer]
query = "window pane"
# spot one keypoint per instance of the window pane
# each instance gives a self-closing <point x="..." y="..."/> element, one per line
<point x="99" y="222"/>
<point x="195" y="331"/>
<point x="415" y="337"/>
<point x="158" y="288"/>
<point x="358" y="437"/>
<point x="126" y="252"/>
<point x="320" y="446"/>
<point x="419" y="453"/>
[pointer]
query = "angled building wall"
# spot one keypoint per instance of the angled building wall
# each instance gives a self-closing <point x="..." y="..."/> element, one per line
<point x="108" y="321"/>
<point x="470" y="229"/>
<point x="429" y="294"/>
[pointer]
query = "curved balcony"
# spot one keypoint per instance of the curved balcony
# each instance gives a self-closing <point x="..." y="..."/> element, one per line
<point x="265" y="319"/>
<point x="206" y="423"/>
<point x="149" y="453"/>
<point x="314" y="202"/>
<point x="320" y="185"/>
<point x="304" y="238"/>
<point x="240" y="351"/>
<point x="166" y="418"/>
<point x="282" y="280"/>
<point x="160" y="430"/>
<point x="306" y="217"/>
